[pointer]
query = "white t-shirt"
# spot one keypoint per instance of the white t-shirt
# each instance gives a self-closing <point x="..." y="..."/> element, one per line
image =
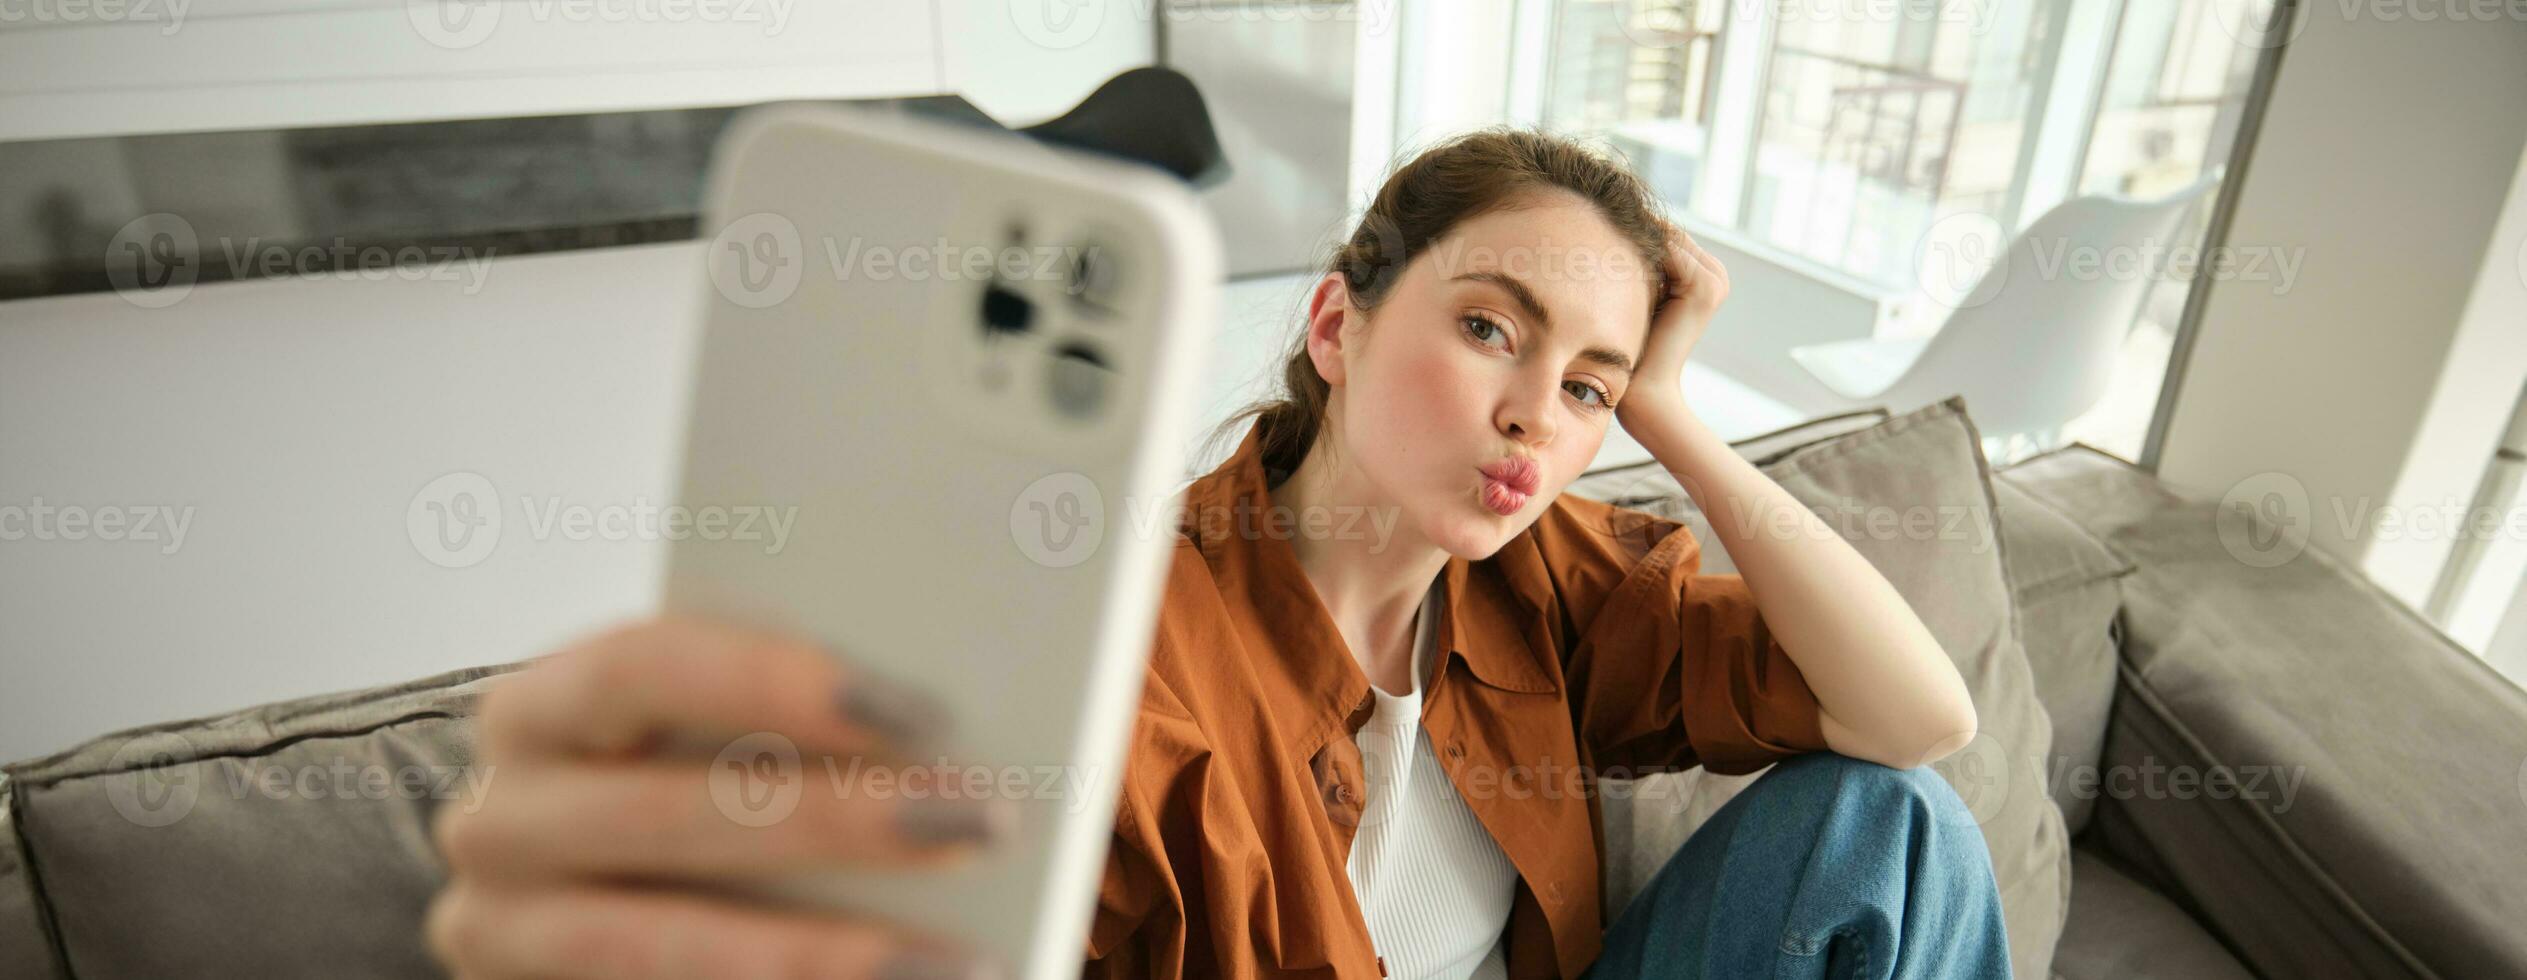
<point x="1433" y="884"/>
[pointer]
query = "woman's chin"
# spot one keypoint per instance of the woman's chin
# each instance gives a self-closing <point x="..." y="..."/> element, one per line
<point x="1477" y="533"/>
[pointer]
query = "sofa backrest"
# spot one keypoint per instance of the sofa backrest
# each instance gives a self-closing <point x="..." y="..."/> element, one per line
<point x="186" y="847"/>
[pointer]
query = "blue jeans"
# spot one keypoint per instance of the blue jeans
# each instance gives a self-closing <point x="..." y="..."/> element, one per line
<point x="1825" y="867"/>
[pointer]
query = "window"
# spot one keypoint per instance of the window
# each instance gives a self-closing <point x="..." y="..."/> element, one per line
<point x="1830" y="140"/>
<point x="1642" y="73"/>
<point x="1869" y="127"/>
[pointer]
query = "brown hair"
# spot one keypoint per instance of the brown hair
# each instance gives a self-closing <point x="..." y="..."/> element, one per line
<point x="1422" y="201"/>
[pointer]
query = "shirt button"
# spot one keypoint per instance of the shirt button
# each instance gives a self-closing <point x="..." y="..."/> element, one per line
<point x="1345" y="794"/>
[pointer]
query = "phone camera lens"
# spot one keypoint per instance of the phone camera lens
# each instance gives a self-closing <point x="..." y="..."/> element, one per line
<point x="1005" y="311"/>
<point x="1079" y="380"/>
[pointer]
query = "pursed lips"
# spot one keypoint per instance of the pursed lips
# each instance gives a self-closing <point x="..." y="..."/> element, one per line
<point x="1508" y="483"/>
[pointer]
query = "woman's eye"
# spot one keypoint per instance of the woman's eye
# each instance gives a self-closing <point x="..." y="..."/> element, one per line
<point x="1585" y="391"/>
<point x="1482" y="329"/>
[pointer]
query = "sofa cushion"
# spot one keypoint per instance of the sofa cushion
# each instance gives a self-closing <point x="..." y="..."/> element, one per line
<point x="288" y="840"/>
<point x="2063" y="581"/>
<point x="1948" y="563"/>
<point x="2121" y="930"/>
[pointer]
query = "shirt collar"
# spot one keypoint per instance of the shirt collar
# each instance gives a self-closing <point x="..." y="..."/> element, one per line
<point x="1486" y="619"/>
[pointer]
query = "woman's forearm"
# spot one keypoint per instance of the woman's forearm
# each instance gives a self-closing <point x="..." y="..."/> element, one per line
<point x="1889" y="693"/>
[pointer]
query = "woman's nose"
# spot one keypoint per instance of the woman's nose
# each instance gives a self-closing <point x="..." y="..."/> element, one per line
<point x="1528" y="419"/>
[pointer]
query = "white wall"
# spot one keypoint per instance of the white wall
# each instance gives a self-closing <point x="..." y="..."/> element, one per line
<point x="202" y="65"/>
<point x="296" y="421"/>
<point x="2385" y="154"/>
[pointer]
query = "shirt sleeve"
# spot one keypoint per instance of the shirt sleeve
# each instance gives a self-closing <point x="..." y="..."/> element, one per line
<point x="1672" y="668"/>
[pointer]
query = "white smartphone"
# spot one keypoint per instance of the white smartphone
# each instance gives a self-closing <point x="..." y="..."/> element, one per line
<point x="969" y="361"/>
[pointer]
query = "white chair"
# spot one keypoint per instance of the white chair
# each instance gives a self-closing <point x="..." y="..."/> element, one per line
<point x="2028" y="350"/>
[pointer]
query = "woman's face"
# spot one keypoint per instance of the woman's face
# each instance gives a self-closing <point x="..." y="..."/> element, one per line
<point x="1510" y="339"/>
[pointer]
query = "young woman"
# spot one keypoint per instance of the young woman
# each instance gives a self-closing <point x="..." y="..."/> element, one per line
<point x="1392" y="662"/>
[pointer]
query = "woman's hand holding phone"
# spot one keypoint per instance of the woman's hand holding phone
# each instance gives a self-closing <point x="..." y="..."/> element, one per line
<point x="597" y="840"/>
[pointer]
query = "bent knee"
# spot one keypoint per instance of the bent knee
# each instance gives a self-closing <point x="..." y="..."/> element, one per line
<point x="1878" y="785"/>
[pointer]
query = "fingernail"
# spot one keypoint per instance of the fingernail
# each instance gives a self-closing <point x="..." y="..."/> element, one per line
<point x="913" y="964"/>
<point x="888" y="709"/>
<point x="938" y="820"/>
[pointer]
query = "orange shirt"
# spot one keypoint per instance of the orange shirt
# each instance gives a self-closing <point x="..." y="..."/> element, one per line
<point x="1589" y="644"/>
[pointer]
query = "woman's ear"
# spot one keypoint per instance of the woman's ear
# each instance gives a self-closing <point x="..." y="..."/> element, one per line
<point x="1328" y="317"/>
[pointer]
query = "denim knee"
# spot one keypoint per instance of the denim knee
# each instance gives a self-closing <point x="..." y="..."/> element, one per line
<point x="1900" y="842"/>
<point x="1878" y="787"/>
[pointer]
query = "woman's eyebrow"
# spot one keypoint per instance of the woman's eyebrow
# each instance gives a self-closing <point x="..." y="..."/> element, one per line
<point x="1526" y="298"/>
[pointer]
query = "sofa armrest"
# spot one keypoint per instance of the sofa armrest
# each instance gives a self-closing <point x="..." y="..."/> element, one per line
<point x="2328" y="782"/>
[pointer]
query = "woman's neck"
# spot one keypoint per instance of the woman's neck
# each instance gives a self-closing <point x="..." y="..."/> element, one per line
<point x="1373" y="586"/>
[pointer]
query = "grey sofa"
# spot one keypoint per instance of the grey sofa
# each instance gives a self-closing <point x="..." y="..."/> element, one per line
<point x="2356" y="804"/>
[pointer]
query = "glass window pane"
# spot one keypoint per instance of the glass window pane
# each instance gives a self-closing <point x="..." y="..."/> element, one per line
<point x="1873" y="126"/>
<point x="1640" y="73"/>
<point x="2168" y="113"/>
